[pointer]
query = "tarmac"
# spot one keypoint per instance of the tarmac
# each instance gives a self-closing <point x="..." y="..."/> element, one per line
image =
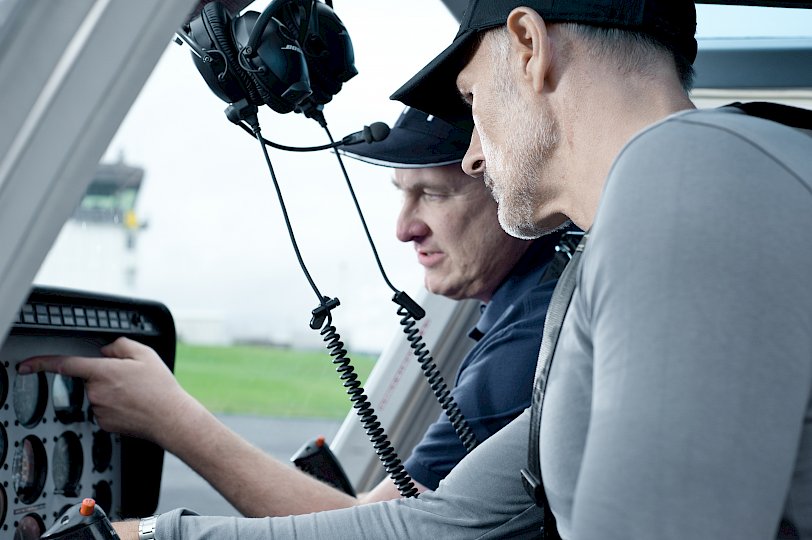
<point x="280" y="437"/>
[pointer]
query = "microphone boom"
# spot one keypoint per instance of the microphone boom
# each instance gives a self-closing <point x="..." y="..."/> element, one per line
<point x="375" y="132"/>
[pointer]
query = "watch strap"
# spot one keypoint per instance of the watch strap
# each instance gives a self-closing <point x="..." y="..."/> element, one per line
<point x="146" y="528"/>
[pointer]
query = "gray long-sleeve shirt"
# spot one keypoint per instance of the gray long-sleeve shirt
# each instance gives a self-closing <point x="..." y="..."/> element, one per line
<point x="678" y="404"/>
<point x="481" y="501"/>
<point x="680" y="398"/>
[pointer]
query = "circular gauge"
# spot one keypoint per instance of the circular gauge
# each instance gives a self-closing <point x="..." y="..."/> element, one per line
<point x="102" y="450"/>
<point x="68" y="396"/>
<point x="31" y="527"/>
<point x="3" y="384"/>
<point x="29" y="398"/>
<point x="29" y="469"/>
<point x="3" y="505"/>
<point x="103" y="495"/>
<point x="3" y="444"/>
<point x="66" y="463"/>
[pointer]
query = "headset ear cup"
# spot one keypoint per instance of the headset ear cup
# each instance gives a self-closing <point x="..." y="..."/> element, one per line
<point x="217" y="22"/>
<point x="277" y="66"/>
<point x="328" y="51"/>
<point x="267" y="97"/>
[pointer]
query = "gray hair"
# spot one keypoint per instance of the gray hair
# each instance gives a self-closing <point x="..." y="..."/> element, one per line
<point x="633" y="52"/>
<point x="636" y="52"/>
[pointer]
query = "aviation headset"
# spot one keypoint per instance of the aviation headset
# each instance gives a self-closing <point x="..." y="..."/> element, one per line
<point x="294" y="56"/>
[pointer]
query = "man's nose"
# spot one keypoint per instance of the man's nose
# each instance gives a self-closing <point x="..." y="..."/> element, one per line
<point x="474" y="161"/>
<point x="410" y="226"/>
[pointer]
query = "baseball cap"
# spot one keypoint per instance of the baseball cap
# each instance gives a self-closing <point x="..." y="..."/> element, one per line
<point x="434" y="89"/>
<point x="417" y="140"/>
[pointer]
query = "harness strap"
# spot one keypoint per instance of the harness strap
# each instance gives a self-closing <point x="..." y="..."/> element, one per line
<point x="560" y="301"/>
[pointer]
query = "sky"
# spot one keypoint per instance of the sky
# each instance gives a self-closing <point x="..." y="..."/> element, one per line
<point x="215" y="245"/>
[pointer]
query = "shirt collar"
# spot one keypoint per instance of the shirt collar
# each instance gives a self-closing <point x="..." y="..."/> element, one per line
<point x="523" y="277"/>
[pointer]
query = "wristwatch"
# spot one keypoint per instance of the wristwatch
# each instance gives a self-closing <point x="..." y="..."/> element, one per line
<point x="146" y="528"/>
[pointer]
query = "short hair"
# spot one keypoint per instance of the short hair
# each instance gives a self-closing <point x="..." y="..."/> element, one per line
<point x="634" y="52"/>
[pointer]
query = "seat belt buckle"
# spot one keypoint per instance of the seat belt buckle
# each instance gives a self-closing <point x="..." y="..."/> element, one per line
<point x="533" y="487"/>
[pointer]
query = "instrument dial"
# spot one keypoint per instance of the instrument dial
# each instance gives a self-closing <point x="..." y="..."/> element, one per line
<point x="29" y="397"/>
<point x="29" y="469"/>
<point x="68" y="460"/>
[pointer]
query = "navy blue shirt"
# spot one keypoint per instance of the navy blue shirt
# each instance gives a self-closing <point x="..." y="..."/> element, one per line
<point x="495" y="380"/>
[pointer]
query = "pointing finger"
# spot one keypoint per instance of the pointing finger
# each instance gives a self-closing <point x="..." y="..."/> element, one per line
<point x="71" y="366"/>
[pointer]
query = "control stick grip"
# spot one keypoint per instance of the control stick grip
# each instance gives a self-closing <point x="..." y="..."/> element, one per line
<point x="82" y="521"/>
<point x="316" y="459"/>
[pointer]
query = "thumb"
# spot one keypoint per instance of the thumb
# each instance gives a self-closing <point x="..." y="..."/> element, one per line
<point x="123" y="348"/>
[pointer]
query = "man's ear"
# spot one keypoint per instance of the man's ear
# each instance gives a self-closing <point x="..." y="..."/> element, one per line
<point x="530" y="44"/>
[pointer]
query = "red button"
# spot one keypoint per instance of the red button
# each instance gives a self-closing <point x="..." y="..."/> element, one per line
<point x="87" y="507"/>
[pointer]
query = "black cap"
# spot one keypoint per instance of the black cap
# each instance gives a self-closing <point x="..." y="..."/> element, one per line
<point x="418" y="140"/>
<point x="434" y="88"/>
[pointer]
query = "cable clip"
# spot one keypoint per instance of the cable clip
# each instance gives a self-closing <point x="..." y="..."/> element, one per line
<point x="323" y="311"/>
<point x="403" y="300"/>
<point x="242" y="111"/>
<point x="569" y="242"/>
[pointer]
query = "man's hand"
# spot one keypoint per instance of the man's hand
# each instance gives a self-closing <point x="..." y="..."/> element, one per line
<point x="133" y="392"/>
<point x="131" y="389"/>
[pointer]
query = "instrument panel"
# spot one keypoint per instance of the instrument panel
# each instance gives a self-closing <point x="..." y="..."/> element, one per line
<point x="52" y="453"/>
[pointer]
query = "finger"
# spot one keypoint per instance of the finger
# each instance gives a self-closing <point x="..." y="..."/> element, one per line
<point x="71" y="366"/>
<point x="123" y="348"/>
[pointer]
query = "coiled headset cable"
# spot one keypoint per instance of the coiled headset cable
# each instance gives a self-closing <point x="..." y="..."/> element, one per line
<point x="242" y="112"/>
<point x="410" y="312"/>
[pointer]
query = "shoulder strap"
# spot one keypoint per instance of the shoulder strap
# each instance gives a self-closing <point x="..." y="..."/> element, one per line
<point x="794" y="117"/>
<point x="559" y="303"/>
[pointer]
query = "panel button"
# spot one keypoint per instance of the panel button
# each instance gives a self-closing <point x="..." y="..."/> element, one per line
<point x="42" y="314"/>
<point x="79" y="315"/>
<point x="124" y="319"/>
<point x="55" y="315"/>
<point x="67" y="316"/>
<point x="28" y="314"/>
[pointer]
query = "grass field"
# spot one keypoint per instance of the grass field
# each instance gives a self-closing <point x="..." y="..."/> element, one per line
<point x="266" y="381"/>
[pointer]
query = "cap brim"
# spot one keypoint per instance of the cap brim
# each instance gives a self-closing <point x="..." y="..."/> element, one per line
<point x="434" y="88"/>
<point x="398" y="164"/>
<point x="408" y="149"/>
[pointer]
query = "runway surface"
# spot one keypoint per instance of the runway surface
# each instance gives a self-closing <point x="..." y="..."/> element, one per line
<point x="181" y="486"/>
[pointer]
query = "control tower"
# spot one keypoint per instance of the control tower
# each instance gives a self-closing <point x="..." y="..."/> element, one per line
<point x="97" y="248"/>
